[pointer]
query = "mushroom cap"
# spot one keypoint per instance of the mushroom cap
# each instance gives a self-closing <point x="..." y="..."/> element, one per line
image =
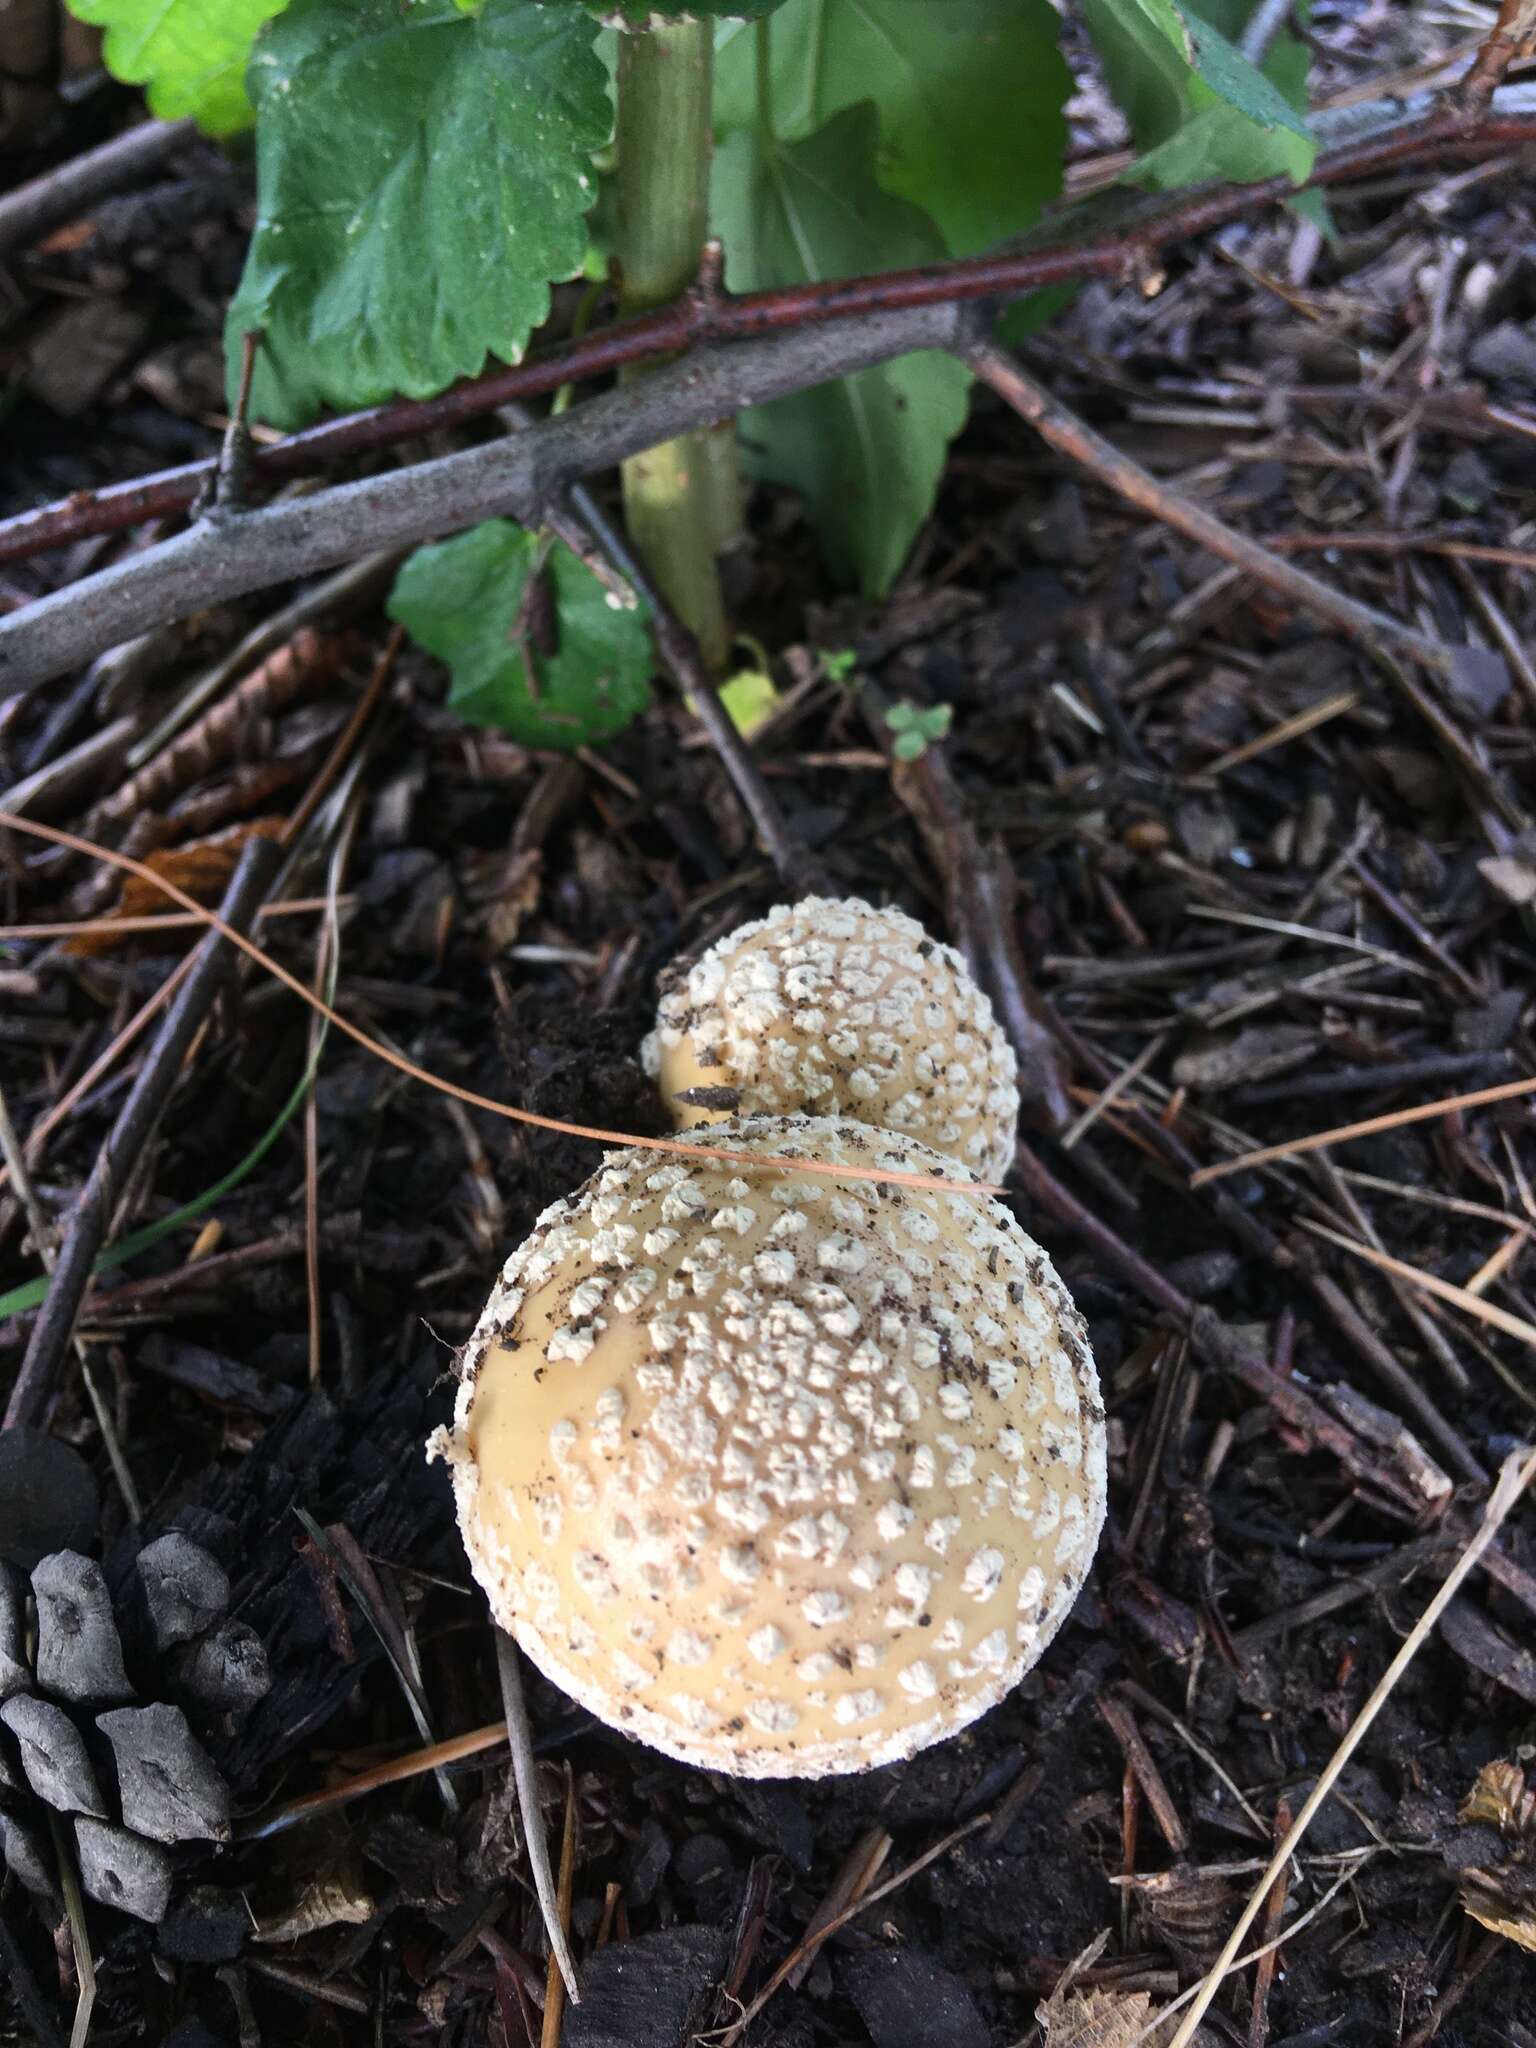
<point x="835" y="1008"/>
<point x="782" y="1474"/>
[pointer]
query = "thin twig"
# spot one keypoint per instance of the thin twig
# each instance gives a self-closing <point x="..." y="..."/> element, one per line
<point x="525" y="1773"/>
<point x="1444" y="1290"/>
<point x="1513" y="1481"/>
<point x="415" y="1764"/>
<point x="135" y="1026"/>
<point x="1513" y="34"/>
<point x="42" y="1241"/>
<point x="1450" y="1105"/>
<point x="164" y="921"/>
<point x="1073" y="437"/>
<point x="680" y="651"/>
<point x="682" y="1148"/>
<point x="1417" y="131"/>
<point x="521" y="477"/>
<point x="92" y="1215"/>
<point x="903" y="1876"/>
<point x="555" y="1986"/>
<point x="61" y="194"/>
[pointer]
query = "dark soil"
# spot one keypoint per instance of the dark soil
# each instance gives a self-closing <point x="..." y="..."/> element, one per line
<point x="1245" y="857"/>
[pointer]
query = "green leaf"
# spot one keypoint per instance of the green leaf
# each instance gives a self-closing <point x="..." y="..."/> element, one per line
<point x="422" y="176"/>
<point x="462" y="599"/>
<point x="189" y="55"/>
<point x="644" y="14"/>
<point x="1197" y="107"/>
<point x="970" y="92"/>
<point x="867" y="452"/>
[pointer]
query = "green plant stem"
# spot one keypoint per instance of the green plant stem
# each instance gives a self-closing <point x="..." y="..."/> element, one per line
<point x="678" y="511"/>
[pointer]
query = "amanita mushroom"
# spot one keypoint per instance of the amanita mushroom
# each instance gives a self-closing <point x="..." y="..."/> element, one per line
<point x="836" y="1008"/>
<point x="781" y="1473"/>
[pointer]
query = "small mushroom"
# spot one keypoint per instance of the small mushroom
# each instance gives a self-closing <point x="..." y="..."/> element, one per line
<point x="837" y="1008"/>
<point x="783" y="1474"/>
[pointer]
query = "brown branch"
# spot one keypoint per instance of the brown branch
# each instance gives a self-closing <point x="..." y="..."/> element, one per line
<point x="710" y="315"/>
<point x="58" y="195"/>
<point x="1513" y="35"/>
<point x="520" y="477"/>
<point x="1061" y="428"/>
<point x="92" y="1215"/>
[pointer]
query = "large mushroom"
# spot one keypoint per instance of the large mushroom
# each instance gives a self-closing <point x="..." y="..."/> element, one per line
<point x="784" y="1474"/>
<point x="830" y="1007"/>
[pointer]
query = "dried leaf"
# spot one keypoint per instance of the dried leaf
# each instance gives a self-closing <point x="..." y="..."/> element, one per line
<point x="202" y="867"/>
<point x="1503" y="1899"/>
<point x="327" y="1889"/>
<point x="1108" y="2019"/>
<point x="1503" y="1798"/>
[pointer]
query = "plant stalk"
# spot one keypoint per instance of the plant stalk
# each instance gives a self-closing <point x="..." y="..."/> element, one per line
<point x="680" y="508"/>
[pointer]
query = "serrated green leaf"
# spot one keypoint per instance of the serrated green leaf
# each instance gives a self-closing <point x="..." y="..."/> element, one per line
<point x="1219" y="143"/>
<point x="1233" y="78"/>
<point x="1288" y="60"/>
<point x="970" y="93"/>
<point x="1196" y="106"/>
<point x="462" y="600"/>
<point x="867" y="452"/>
<point x="422" y="176"/>
<point x="189" y="56"/>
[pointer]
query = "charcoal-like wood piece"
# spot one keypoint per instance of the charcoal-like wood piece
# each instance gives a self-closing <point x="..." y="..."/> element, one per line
<point x="27" y="1856"/>
<point x="14" y="1675"/>
<point x="226" y="1669"/>
<point x="909" y="2001"/>
<point x="53" y="1755"/>
<point x="206" y="1925"/>
<point x="185" y="1589"/>
<point x="123" y="1870"/>
<point x="166" y="1780"/>
<point x="359" y="1464"/>
<point x="48" y="1499"/>
<point x="79" y="1651"/>
<point x="654" y="1990"/>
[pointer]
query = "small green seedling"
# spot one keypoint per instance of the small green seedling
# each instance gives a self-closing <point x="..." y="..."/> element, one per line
<point x="916" y="727"/>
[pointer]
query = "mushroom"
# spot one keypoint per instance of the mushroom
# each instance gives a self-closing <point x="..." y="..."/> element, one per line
<point x="781" y="1473"/>
<point x="836" y="1008"/>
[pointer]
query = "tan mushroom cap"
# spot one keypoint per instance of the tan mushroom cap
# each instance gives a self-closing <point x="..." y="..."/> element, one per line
<point x="831" y="1008"/>
<point x="782" y="1474"/>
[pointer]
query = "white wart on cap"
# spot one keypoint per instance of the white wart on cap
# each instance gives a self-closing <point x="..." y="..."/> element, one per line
<point x="782" y="1474"/>
<point x="837" y="1008"/>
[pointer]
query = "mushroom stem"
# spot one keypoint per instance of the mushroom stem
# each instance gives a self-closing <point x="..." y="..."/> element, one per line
<point x="525" y="1773"/>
